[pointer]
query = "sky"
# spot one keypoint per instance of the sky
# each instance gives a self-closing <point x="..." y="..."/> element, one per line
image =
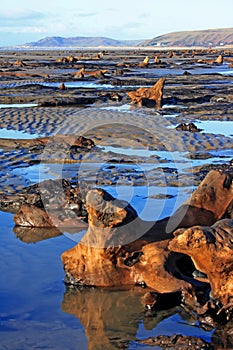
<point x="25" y="21"/>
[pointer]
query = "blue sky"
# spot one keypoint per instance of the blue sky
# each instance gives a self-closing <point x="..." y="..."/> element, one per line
<point x="30" y="20"/>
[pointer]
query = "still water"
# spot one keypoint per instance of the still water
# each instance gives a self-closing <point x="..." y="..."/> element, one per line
<point x="38" y="312"/>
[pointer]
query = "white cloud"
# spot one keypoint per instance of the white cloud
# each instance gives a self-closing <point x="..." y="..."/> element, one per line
<point x="19" y="14"/>
<point x="124" y="19"/>
<point x="86" y="14"/>
<point x="24" y="21"/>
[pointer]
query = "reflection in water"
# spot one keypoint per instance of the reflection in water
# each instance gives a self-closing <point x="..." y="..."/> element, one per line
<point x="113" y="318"/>
<point x="110" y="317"/>
<point x="35" y="234"/>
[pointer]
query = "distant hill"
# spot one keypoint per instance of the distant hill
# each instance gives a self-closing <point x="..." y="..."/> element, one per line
<point x="210" y="37"/>
<point x="58" y="41"/>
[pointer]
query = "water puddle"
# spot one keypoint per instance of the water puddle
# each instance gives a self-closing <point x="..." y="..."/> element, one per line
<point x="36" y="173"/>
<point x="17" y="105"/>
<point x="122" y="108"/>
<point x="80" y="84"/>
<point x="68" y="84"/>
<point x="169" y="327"/>
<point x="216" y="127"/>
<point x="145" y="152"/>
<point x="151" y="202"/>
<point x="16" y="134"/>
<point x="228" y="153"/>
<point x="176" y="159"/>
<point x="226" y="72"/>
<point x="192" y="68"/>
<point x="167" y="106"/>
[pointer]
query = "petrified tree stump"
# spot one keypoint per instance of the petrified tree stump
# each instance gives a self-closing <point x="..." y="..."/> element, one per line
<point x="113" y="253"/>
<point x="208" y="203"/>
<point x="100" y="73"/>
<point x="109" y="255"/>
<point x="211" y="249"/>
<point x="144" y="63"/>
<point x="148" y="96"/>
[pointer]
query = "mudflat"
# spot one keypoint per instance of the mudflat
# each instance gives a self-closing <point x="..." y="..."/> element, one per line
<point x="57" y="100"/>
<point x="151" y="154"/>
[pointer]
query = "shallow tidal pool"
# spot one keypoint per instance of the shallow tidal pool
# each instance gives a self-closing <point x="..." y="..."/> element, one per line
<point x="38" y="312"/>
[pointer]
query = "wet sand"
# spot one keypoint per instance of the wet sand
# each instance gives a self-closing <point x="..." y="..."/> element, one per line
<point x="139" y="155"/>
<point x="132" y="137"/>
<point x="135" y="146"/>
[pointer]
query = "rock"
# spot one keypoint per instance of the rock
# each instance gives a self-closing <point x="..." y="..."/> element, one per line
<point x="62" y="60"/>
<point x="32" y="216"/>
<point x="187" y="73"/>
<point x="115" y="266"/>
<point x="67" y="101"/>
<point x="35" y="194"/>
<point x="68" y="59"/>
<point x="211" y="250"/>
<point x="71" y="141"/>
<point x="98" y="56"/>
<point x="218" y="60"/>
<point x="170" y="54"/>
<point x="191" y="127"/>
<point x="52" y="203"/>
<point x="177" y="341"/>
<point x="71" y="59"/>
<point x="62" y="87"/>
<point x="148" y="96"/>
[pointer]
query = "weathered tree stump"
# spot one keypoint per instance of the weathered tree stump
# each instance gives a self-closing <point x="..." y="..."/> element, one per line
<point x="149" y="96"/>
<point x="112" y="252"/>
